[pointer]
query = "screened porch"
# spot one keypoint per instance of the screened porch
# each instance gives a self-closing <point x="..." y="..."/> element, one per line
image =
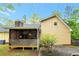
<point x="24" y="37"/>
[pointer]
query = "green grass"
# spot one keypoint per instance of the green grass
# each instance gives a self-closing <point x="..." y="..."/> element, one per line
<point x="5" y="51"/>
<point x="73" y="46"/>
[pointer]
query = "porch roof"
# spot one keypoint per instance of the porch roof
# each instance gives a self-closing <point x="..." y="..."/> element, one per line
<point x="26" y="26"/>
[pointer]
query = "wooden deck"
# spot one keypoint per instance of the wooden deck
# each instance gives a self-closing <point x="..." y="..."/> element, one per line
<point x="12" y="47"/>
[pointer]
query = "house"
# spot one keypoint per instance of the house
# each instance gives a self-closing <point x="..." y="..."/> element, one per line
<point x="55" y="26"/>
<point x="4" y="34"/>
<point x="27" y="35"/>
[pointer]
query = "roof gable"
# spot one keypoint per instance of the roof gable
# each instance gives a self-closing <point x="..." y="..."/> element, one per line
<point x="59" y="19"/>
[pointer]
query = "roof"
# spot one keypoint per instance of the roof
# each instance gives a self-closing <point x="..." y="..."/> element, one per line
<point x="59" y="19"/>
<point x="25" y="26"/>
<point x="3" y="30"/>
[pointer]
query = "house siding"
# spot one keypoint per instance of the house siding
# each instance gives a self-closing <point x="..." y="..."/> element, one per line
<point x="61" y="32"/>
<point x="4" y="36"/>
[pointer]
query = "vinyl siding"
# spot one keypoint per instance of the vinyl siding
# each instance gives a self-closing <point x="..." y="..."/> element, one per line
<point x="61" y="32"/>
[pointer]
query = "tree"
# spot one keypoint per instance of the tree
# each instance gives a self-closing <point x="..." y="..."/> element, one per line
<point x="24" y="19"/>
<point x="5" y="10"/>
<point x="72" y="21"/>
<point x="10" y="7"/>
<point x="56" y="12"/>
<point x="9" y="23"/>
<point x="68" y="11"/>
<point x="34" y="18"/>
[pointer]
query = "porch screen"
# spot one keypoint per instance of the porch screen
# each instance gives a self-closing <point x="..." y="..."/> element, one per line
<point x="24" y="34"/>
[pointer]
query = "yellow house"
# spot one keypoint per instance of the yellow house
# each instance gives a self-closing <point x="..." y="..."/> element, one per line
<point x="4" y="34"/>
<point x="52" y="25"/>
<point x="55" y="26"/>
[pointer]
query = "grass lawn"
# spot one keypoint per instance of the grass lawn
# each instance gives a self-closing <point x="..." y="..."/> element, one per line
<point x="73" y="46"/>
<point x="5" y="51"/>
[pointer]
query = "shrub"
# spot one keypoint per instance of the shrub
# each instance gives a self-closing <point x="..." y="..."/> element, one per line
<point x="46" y="43"/>
<point x="47" y="40"/>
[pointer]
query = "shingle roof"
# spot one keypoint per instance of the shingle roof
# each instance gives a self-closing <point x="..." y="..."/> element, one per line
<point x="25" y="26"/>
<point x="3" y="29"/>
<point x="32" y="25"/>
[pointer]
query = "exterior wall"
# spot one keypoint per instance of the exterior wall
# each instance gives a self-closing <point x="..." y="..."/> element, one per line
<point x="4" y="36"/>
<point x="7" y="37"/>
<point x="61" y="32"/>
<point x="1" y="36"/>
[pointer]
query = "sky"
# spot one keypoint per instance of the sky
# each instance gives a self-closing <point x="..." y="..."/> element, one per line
<point x="43" y="10"/>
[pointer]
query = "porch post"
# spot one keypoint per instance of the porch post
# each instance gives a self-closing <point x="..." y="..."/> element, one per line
<point x="37" y="39"/>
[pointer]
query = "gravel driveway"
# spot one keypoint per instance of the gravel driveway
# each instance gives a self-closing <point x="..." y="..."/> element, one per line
<point x="61" y="51"/>
<point x="65" y="50"/>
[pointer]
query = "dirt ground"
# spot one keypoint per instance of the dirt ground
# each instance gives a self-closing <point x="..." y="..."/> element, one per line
<point x="5" y="51"/>
<point x="56" y="51"/>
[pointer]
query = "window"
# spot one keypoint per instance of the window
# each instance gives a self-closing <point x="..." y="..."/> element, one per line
<point x="55" y="23"/>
